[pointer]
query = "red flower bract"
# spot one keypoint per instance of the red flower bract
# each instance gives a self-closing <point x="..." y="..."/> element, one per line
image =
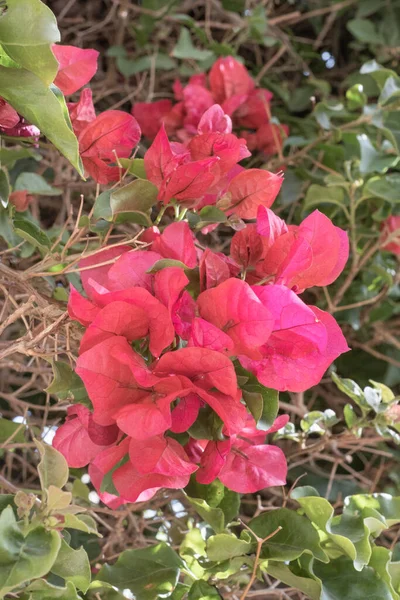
<point x="76" y="67"/>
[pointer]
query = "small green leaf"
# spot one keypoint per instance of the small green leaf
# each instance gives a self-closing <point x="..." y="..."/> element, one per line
<point x="296" y="536"/>
<point x="42" y="590"/>
<point x="185" y="49"/>
<point x="390" y="91"/>
<point x="318" y="195"/>
<point x="56" y="499"/>
<point x="163" y="263"/>
<point x="225" y="546"/>
<point x="24" y="558"/>
<point x="201" y="590"/>
<point x="356" y="97"/>
<point x="364" y="31"/>
<point x="66" y="383"/>
<point x="73" y="565"/>
<point x="83" y="523"/>
<point x="53" y="468"/>
<point x="387" y="188"/>
<point x="35" y="184"/>
<point x="32" y="233"/>
<point x="138" y="196"/>
<point x="135" y="166"/>
<point x="148" y="573"/>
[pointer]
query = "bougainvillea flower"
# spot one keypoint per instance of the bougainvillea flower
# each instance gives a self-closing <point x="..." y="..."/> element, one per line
<point x="304" y="342"/>
<point x="228" y="78"/>
<point x="227" y="147"/>
<point x="161" y="330"/>
<point x="215" y="268"/>
<point x="107" y="372"/>
<point x="150" y="115"/>
<point x="388" y="227"/>
<point x="160" y="454"/>
<point x="255" y="111"/>
<point x="80" y="439"/>
<point x="207" y="369"/>
<point x="95" y="268"/>
<point x="151" y="414"/>
<point x="250" y="189"/>
<point x="177" y="242"/>
<point x="243" y="462"/>
<point x="248" y="247"/>
<point x="160" y="160"/>
<point x="302" y="258"/>
<point x="131" y="270"/>
<point x="197" y="99"/>
<point x="234" y="308"/>
<point x="185" y="413"/>
<point x="207" y="335"/>
<point x="135" y="487"/>
<point x="214" y="120"/>
<point x="189" y="182"/>
<point x="168" y="286"/>
<point x="82" y="112"/>
<point x="106" y="462"/>
<point x="183" y="313"/>
<point x="112" y="135"/>
<point x="80" y="308"/>
<point x="269" y="225"/>
<point x="76" y="67"/>
<point x="8" y="116"/>
<point x="20" y="199"/>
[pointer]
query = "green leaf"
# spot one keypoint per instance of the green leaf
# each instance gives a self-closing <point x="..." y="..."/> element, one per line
<point x="347" y="532"/>
<point x="163" y="263"/>
<point x="340" y="581"/>
<point x="387" y="188"/>
<point x="139" y="195"/>
<point x="377" y="72"/>
<point x="4" y="188"/>
<point x="24" y="558"/>
<point x="27" y="29"/>
<point x="364" y="31"/>
<point x="42" y="590"/>
<point x="66" y="383"/>
<point x="283" y="572"/>
<point x="73" y="565"/>
<point x="39" y="105"/>
<point x="185" y="49"/>
<point x="148" y="573"/>
<point x="83" y="523"/>
<point x="318" y="195"/>
<point x="32" y="233"/>
<point x="380" y="561"/>
<point x="6" y="500"/>
<point x="356" y="97"/>
<point x="350" y="388"/>
<point x="56" y="499"/>
<point x="390" y="91"/>
<point x="296" y="536"/>
<point x="11" y="430"/>
<point x="36" y="184"/>
<point x="53" y="468"/>
<point x="135" y="166"/>
<point x="9" y="156"/>
<point x="201" y="590"/>
<point x="262" y="402"/>
<point x="217" y="505"/>
<point x="225" y="546"/>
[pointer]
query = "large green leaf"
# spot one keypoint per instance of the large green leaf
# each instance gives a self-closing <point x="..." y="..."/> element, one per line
<point x="296" y="536"/>
<point x="39" y="104"/>
<point x="348" y="532"/>
<point x="42" y="590"/>
<point x="139" y="195"/>
<point x="215" y="504"/>
<point x="53" y="468"/>
<point x="148" y="573"/>
<point x="283" y="572"/>
<point x="73" y="565"/>
<point x="340" y="581"/>
<point x="201" y="590"/>
<point x="24" y="558"/>
<point x="66" y="383"/>
<point x="225" y="546"/>
<point x="27" y="29"/>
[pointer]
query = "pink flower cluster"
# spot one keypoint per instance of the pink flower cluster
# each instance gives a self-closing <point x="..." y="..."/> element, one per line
<point x="159" y="348"/>
<point x="229" y="85"/>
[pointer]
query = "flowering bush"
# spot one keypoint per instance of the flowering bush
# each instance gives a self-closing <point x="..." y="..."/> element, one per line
<point x="229" y="85"/>
<point x="166" y="325"/>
